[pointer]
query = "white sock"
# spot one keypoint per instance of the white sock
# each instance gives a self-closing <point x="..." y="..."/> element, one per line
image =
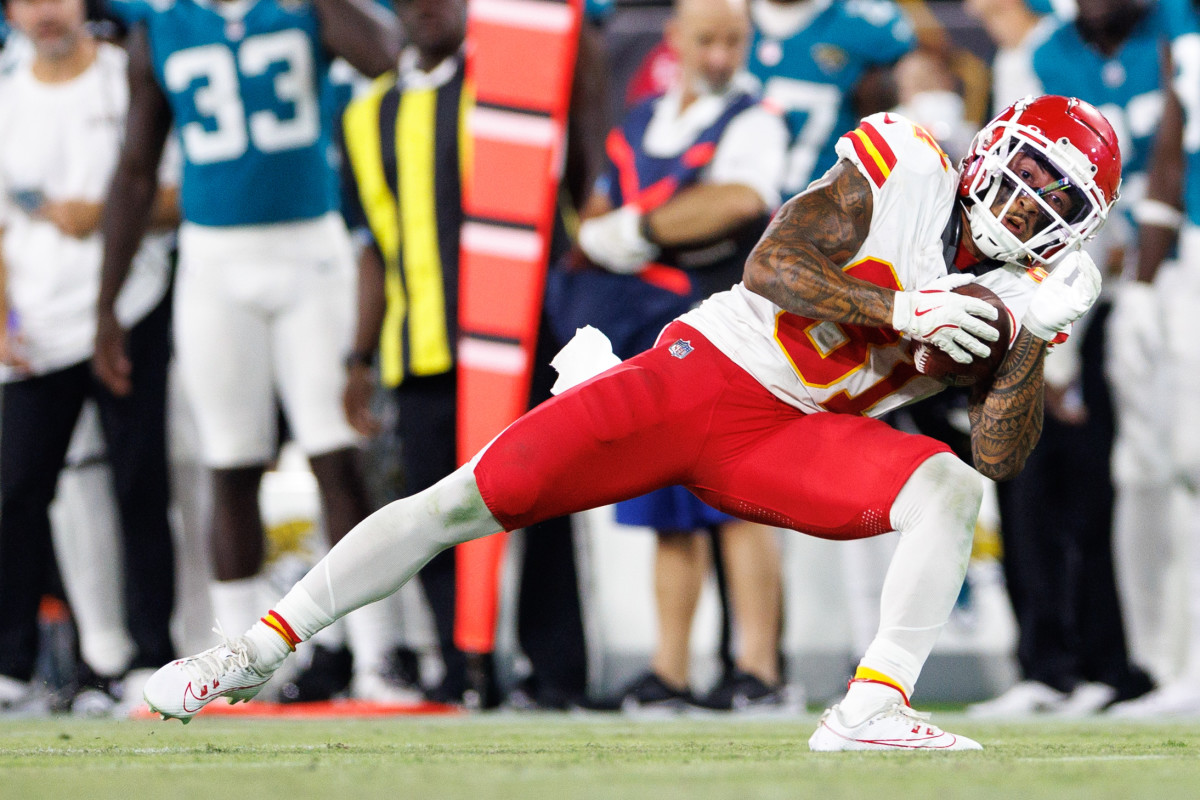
<point x="371" y="634"/>
<point x="293" y="620"/>
<point x="865" y="699"/>
<point x="84" y="524"/>
<point x="107" y="652"/>
<point x="332" y="637"/>
<point x="935" y="513"/>
<point x="236" y="603"/>
<point x="383" y="552"/>
<point x="1144" y="553"/>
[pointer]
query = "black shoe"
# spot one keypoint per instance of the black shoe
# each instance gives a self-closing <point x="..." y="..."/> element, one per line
<point x="481" y="693"/>
<point x="91" y="695"/>
<point x="649" y="694"/>
<point x="532" y="695"/>
<point x="327" y="676"/>
<point x="741" y="691"/>
<point x="404" y="667"/>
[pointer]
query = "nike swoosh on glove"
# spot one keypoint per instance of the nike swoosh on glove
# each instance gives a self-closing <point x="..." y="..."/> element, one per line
<point x="1064" y="296"/>
<point x="951" y="322"/>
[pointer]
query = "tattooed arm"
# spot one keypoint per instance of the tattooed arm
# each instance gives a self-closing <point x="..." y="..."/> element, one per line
<point x="1006" y="417"/>
<point x="797" y="264"/>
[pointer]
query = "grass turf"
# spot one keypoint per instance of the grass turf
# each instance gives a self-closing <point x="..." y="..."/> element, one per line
<point x="553" y="756"/>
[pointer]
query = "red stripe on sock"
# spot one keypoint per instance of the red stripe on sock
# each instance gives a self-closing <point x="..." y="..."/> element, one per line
<point x="283" y="628"/>
<point x="888" y="684"/>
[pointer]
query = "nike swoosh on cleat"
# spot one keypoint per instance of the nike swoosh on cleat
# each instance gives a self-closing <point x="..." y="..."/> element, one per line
<point x="201" y="699"/>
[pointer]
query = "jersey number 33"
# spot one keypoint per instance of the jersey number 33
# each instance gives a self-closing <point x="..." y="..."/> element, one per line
<point x="227" y="129"/>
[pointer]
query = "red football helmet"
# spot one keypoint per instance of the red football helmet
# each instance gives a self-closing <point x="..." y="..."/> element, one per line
<point x="1069" y="139"/>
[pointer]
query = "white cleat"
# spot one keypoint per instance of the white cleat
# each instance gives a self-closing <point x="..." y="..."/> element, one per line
<point x="185" y="686"/>
<point x="372" y="686"/>
<point x="1024" y="699"/>
<point x="895" y="727"/>
<point x="1179" y="699"/>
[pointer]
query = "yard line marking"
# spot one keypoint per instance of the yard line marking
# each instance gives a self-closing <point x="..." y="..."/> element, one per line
<point x="1143" y="757"/>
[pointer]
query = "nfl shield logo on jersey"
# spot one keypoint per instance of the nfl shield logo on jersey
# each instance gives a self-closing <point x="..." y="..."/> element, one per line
<point x="681" y="348"/>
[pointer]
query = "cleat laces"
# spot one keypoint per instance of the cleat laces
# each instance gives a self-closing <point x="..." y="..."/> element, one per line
<point x="210" y="665"/>
<point x="916" y="718"/>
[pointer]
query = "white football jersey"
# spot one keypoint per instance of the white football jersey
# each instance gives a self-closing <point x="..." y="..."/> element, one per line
<point x="825" y="366"/>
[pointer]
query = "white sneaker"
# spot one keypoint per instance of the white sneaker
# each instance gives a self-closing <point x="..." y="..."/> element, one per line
<point x="1085" y="700"/>
<point x="1021" y="700"/>
<point x="371" y="685"/>
<point x="1180" y="699"/>
<point x="895" y="727"/>
<point x="132" y="687"/>
<point x="185" y="686"/>
<point x="14" y="693"/>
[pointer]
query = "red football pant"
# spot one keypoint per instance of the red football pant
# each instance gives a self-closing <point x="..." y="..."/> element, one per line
<point x="701" y="421"/>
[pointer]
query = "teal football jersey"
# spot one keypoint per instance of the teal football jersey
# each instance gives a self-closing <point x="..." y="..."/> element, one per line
<point x="1125" y="87"/>
<point x="810" y="75"/>
<point x="1184" y="29"/>
<point x="246" y="97"/>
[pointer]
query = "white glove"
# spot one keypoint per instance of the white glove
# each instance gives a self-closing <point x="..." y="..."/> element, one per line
<point x="1137" y="337"/>
<point x="1064" y="296"/>
<point x="614" y="241"/>
<point x="951" y="322"/>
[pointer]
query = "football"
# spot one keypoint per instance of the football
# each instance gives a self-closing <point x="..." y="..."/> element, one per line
<point x="935" y="363"/>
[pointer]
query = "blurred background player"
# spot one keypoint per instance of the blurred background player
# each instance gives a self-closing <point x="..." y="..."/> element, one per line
<point x="264" y="299"/>
<point x="692" y="176"/>
<point x="408" y="290"/>
<point x="1057" y="515"/>
<point x="1157" y="519"/>
<point x="822" y="63"/>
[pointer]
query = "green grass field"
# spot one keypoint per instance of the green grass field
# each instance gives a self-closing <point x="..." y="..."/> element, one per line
<point x="561" y="756"/>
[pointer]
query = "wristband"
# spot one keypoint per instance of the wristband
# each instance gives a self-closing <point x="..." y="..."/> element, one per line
<point x="1158" y="214"/>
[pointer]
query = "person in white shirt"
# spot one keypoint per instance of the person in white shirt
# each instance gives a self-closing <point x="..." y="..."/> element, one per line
<point x="62" y="115"/>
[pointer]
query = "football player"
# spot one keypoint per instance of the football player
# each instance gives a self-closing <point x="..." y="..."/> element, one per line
<point x="1152" y="326"/>
<point x="264" y="300"/>
<point x="812" y="56"/>
<point x="1057" y="517"/>
<point x="764" y="400"/>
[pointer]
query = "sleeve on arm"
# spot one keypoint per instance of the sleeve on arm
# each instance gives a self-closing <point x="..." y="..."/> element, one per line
<point x="869" y="150"/>
<point x="753" y="152"/>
